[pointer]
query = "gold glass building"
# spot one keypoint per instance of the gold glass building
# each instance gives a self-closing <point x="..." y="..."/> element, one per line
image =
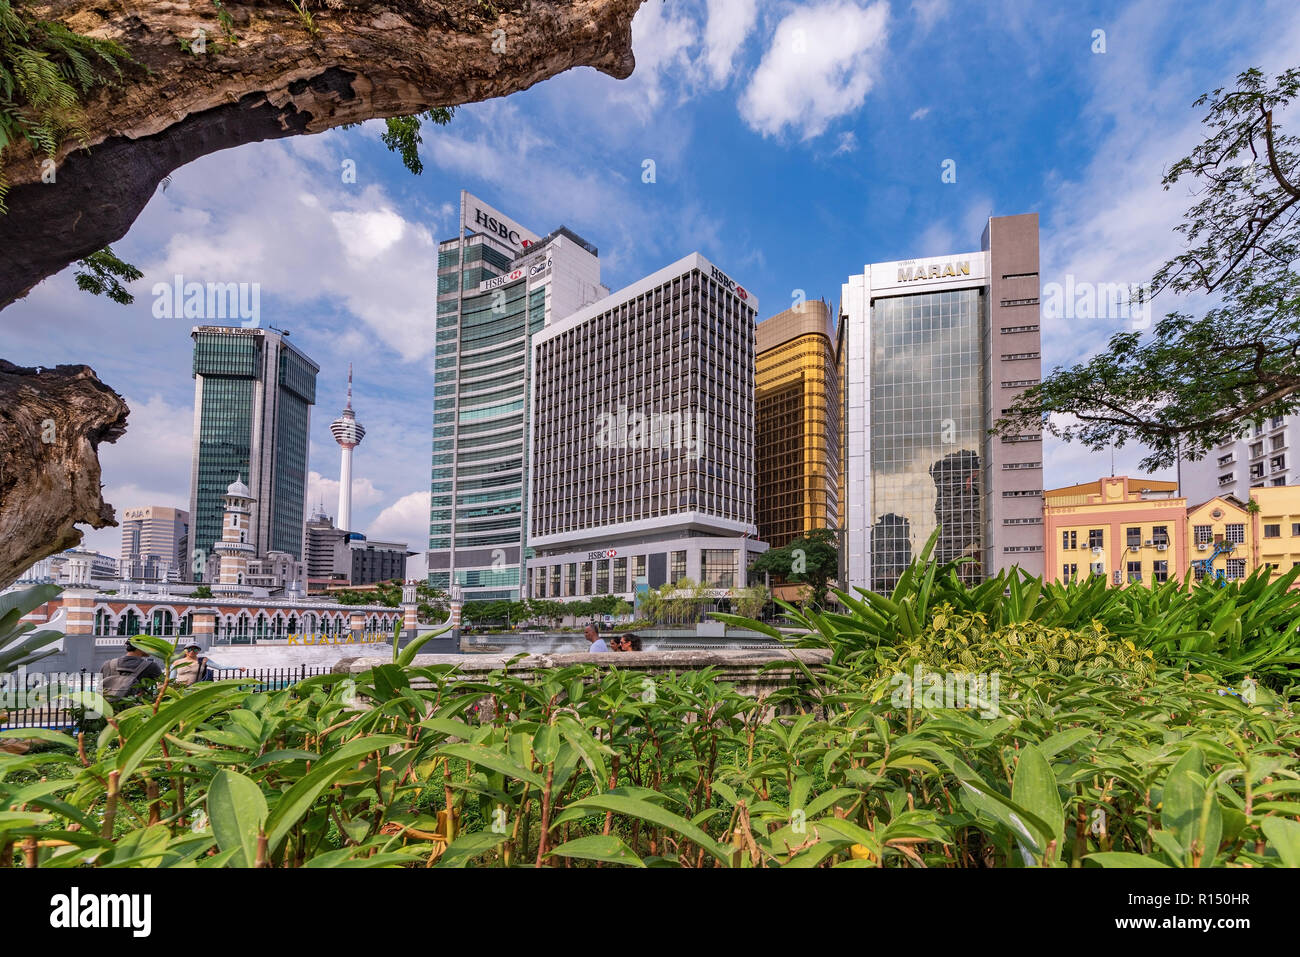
<point x="797" y="409"/>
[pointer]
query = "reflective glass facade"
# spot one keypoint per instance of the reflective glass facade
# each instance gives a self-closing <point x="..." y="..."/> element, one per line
<point x="927" y="415"/>
<point x="480" y="362"/>
<point x="797" y="438"/>
<point x="254" y="394"/>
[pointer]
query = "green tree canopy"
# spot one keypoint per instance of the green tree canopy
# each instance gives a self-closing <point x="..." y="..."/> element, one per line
<point x="1193" y="383"/>
<point x="812" y="558"/>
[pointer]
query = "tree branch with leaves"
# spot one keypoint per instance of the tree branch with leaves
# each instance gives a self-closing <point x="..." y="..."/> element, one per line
<point x="1193" y="383"/>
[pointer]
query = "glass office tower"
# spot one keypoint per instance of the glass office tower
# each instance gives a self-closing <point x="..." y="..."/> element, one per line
<point x="498" y="284"/>
<point x="797" y="409"/>
<point x="253" y="394"/>
<point x="933" y="351"/>
<point x="927" y="419"/>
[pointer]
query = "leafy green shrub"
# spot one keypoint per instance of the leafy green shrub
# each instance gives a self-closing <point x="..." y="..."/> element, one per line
<point x="418" y="766"/>
<point x="964" y="642"/>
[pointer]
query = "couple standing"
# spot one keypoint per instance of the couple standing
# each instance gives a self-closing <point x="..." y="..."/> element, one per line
<point x="621" y="642"/>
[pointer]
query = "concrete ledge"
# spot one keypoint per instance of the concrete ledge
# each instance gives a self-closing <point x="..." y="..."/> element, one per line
<point x="742" y="667"/>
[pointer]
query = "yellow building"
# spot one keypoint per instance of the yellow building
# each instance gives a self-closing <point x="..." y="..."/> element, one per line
<point x="1276" y="527"/>
<point x="1138" y="529"/>
<point x="1220" y="539"/>
<point x="1128" y="529"/>
<point x="797" y="434"/>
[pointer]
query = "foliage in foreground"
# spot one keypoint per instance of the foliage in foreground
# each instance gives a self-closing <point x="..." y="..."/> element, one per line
<point x="1248" y="628"/>
<point x="420" y="767"/>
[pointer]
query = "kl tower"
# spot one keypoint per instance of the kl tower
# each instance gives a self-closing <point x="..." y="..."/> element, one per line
<point x="348" y="433"/>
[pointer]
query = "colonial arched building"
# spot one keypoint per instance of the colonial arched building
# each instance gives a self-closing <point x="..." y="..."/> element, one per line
<point x="96" y="625"/>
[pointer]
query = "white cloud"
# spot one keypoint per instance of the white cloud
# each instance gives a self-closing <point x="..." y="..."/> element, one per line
<point x="149" y="465"/>
<point x="322" y="490"/>
<point x="729" y="23"/>
<point x="920" y="113"/>
<point x="406" y="520"/>
<point x="662" y="40"/>
<point x="350" y="244"/>
<point x="847" y="143"/>
<point x="821" y="65"/>
<point x="928" y="12"/>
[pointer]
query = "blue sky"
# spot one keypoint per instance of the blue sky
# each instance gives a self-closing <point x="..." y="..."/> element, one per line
<point x="792" y="143"/>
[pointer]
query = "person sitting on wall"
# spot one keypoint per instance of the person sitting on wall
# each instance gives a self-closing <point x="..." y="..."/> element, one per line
<point x="593" y="636"/>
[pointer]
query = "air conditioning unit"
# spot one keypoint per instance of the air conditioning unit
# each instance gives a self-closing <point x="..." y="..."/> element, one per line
<point x="1202" y="547"/>
<point x="1149" y="542"/>
<point x="1162" y="548"/>
<point x="1135" y="548"/>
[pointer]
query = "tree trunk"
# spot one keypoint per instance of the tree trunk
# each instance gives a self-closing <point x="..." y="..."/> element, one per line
<point x="272" y="72"/>
<point x="51" y="424"/>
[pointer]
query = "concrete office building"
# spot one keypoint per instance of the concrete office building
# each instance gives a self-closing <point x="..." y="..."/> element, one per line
<point x="499" y="284"/>
<point x="155" y="544"/>
<point x="69" y="566"/>
<point x="797" y="434"/>
<point x="641" y="466"/>
<point x="253" y="395"/>
<point x="935" y="350"/>
<point x="1259" y="459"/>
<point x="338" y="557"/>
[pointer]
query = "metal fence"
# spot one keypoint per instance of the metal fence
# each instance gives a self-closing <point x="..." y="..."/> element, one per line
<point x="44" y="700"/>
<point x="269" y="679"/>
<point x="34" y="699"/>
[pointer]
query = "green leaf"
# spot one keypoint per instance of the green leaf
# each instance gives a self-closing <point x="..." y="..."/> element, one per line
<point x="1034" y="788"/>
<point x="1284" y="837"/>
<point x="194" y="707"/>
<point x="237" y="811"/>
<point x="599" y="847"/>
<point x="546" y="744"/>
<point x="294" y="803"/>
<point x="486" y="757"/>
<point x="1124" y="859"/>
<point x="635" y="807"/>
<point x="469" y="846"/>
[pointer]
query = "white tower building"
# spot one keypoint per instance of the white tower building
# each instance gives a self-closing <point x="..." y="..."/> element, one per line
<point x="234" y="548"/>
<point x="348" y="433"/>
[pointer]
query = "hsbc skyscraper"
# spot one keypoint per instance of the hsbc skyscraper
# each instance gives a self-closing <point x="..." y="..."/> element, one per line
<point x="499" y="284"/>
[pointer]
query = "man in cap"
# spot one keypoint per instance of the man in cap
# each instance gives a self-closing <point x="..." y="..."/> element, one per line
<point x="124" y="677"/>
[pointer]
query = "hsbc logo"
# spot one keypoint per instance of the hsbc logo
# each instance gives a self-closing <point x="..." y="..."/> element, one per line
<point x="722" y="279"/>
<point x="505" y="280"/>
<point x="497" y="228"/>
<point x="597" y="556"/>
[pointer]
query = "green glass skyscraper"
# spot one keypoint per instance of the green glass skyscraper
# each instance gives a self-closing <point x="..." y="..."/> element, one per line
<point x="498" y="284"/>
<point x="253" y="394"/>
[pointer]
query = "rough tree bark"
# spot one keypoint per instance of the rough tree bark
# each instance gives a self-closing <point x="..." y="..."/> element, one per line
<point x="51" y="424"/>
<point x="267" y="74"/>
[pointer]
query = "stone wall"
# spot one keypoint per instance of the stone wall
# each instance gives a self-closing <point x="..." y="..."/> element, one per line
<point x="742" y="667"/>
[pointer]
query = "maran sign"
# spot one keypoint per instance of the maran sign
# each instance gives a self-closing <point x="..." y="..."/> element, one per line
<point x="949" y="270"/>
<point x="723" y="279"/>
